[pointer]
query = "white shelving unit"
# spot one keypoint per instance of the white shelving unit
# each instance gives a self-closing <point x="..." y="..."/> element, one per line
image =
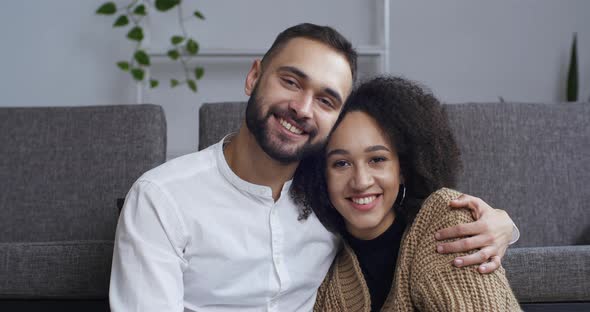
<point x="380" y="50"/>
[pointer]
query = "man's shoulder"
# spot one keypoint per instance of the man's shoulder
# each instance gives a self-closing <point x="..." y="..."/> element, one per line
<point x="187" y="167"/>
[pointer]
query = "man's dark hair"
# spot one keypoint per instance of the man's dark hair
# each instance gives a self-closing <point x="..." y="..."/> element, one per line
<point x="323" y="34"/>
<point x="418" y="128"/>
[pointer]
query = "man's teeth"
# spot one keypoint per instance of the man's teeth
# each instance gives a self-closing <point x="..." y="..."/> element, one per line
<point x="364" y="200"/>
<point x="289" y="126"/>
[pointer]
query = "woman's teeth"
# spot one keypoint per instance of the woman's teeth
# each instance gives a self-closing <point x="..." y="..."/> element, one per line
<point x="364" y="200"/>
<point x="289" y="126"/>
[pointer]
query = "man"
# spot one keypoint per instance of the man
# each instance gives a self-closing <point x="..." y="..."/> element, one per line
<point x="217" y="230"/>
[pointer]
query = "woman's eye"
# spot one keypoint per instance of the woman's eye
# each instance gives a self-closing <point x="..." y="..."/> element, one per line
<point x="378" y="159"/>
<point x="340" y="164"/>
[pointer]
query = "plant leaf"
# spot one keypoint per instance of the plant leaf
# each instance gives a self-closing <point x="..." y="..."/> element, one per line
<point x="108" y="8"/>
<point x="192" y="85"/>
<point x="165" y="5"/>
<point x="199" y="72"/>
<point x="136" y="34"/>
<point x="121" y="21"/>
<point x="124" y="66"/>
<point x="192" y="47"/>
<point x="174" y="83"/>
<point x="142" y="58"/>
<point x="199" y="15"/>
<point x="176" y="40"/>
<point x="173" y="54"/>
<point x="138" y="74"/>
<point x="154" y="83"/>
<point x="572" y="73"/>
<point x="140" y="10"/>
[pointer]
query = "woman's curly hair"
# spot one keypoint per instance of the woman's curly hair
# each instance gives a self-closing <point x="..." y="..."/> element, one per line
<point x="418" y="128"/>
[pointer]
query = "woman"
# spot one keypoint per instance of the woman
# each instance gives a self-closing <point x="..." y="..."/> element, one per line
<point x="380" y="185"/>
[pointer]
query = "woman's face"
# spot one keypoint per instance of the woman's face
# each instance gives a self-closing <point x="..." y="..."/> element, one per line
<point x="363" y="175"/>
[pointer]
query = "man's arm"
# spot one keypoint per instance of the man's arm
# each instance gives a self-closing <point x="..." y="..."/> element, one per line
<point x="491" y="233"/>
<point x="147" y="261"/>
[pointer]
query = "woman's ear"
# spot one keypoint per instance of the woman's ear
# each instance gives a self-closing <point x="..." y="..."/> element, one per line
<point x="252" y="77"/>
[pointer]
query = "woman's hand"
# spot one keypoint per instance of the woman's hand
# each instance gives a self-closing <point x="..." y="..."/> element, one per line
<point x="490" y="233"/>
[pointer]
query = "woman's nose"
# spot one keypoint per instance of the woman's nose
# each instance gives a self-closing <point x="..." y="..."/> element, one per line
<point x="362" y="178"/>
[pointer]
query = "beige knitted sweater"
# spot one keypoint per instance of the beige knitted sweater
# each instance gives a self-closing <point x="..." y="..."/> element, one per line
<point x="424" y="280"/>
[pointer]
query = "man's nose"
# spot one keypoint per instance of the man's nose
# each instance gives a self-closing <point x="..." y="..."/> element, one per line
<point x="302" y="106"/>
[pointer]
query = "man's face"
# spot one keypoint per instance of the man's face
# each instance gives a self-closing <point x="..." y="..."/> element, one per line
<point x="296" y="99"/>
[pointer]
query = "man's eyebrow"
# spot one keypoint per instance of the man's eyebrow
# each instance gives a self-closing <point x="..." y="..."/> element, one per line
<point x="298" y="72"/>
<point x="295" y="71"/>
<point x="337" y="152"/>
<point x="333" y="94"/>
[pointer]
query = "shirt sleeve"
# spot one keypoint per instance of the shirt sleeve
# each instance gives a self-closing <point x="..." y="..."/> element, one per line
<point x="148" y="264"/>
<point x="515" y="234"/>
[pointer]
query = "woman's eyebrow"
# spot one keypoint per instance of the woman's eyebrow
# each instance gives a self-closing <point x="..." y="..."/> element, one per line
<point x="337" y="151"/>
<point x="375" y="148"/>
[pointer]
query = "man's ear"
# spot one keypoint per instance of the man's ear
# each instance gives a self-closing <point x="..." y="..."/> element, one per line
<point x="252" y="77"/>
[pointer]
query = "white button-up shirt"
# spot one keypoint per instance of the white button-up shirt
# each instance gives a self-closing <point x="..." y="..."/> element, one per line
<point x="193" y="236"/>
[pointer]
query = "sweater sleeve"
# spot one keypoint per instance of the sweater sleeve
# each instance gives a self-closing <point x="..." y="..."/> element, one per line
<point x="433" y="284"/>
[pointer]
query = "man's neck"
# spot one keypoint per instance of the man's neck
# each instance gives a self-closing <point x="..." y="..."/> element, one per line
<point x="248" y="161"/>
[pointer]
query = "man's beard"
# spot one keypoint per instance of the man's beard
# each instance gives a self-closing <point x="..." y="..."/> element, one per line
<point x="258" y="126"/>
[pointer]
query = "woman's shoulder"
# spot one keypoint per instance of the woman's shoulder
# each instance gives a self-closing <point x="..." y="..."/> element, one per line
<point x="436" y="208"/>
<point x="442" y="197"/>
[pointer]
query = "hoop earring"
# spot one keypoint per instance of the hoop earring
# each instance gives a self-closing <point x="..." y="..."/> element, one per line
<point x="402" y="190"/>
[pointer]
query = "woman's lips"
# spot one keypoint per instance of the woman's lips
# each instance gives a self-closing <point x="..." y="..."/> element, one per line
<point x="365" y="202"/>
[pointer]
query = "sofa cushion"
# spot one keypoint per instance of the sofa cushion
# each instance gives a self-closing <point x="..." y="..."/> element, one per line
<point x="549" y="274"/>
<point x="59" y="270"/>
<point x="531" y="160"/>
<point x="218" y="119"/>
<point x="63" y="168"/>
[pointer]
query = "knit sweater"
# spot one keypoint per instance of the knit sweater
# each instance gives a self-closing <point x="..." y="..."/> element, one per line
<point x="424" y="280"/>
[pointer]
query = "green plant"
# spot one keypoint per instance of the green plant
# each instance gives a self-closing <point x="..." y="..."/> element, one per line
<point x="572" y="74"/>
<point x="182" y="46"/>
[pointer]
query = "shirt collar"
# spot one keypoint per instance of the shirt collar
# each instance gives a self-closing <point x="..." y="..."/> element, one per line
<point x="239" y="183"/>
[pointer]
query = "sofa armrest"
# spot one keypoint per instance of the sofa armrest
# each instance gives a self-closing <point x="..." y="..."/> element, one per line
<point x="55" y="270"/>
<point x="549" y="274"/>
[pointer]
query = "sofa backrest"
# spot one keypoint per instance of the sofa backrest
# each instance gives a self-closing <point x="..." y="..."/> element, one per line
<point x="531" y="160"/>
<point x="62" y="169"/>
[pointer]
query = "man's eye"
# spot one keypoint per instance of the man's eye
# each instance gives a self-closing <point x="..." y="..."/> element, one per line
<point x="326" y="101"/>
<point x="290" y="82"/>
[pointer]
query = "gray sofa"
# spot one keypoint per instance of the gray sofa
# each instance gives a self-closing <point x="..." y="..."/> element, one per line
<point x="62" y="170"/>
<point x="531" y="160"/>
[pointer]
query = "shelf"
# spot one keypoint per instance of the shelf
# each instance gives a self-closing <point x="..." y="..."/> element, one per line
<point x="372" y="51"/>
<point x="379" y="52"/>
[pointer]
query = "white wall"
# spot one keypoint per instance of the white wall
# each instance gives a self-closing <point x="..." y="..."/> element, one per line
<point x="59" y="53"/>
<point x="475" y="50"/>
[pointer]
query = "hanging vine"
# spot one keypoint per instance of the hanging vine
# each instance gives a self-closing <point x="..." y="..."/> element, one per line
<point x="182" y="47"/>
